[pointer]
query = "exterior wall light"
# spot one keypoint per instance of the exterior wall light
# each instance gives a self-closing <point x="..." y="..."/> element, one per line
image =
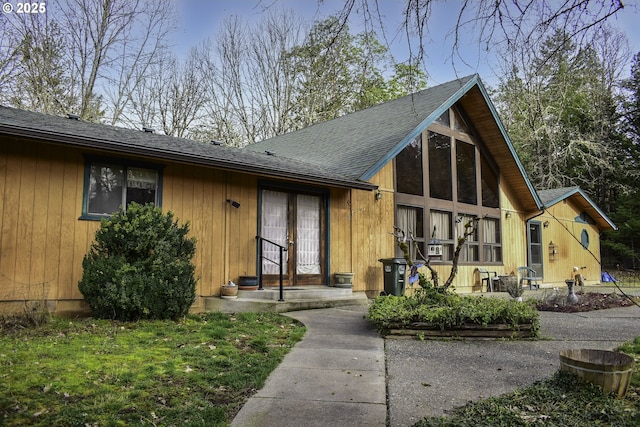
<point x="553" y="251"/>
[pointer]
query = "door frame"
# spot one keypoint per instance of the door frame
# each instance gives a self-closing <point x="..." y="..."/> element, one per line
<point x="324" y="194"/>
<point x="540" y="270"/>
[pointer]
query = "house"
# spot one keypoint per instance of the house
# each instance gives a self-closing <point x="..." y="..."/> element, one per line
<point x="330" y="194"/>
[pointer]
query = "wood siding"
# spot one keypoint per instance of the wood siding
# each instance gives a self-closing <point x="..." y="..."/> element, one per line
<point x="43" y="241"/>
<point x="372" y="222"/>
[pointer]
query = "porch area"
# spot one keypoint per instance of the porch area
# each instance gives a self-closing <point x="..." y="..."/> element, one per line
<point x="295" y="298"/>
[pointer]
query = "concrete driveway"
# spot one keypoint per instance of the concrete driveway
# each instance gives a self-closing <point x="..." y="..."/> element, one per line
<point x="429" y="378"/>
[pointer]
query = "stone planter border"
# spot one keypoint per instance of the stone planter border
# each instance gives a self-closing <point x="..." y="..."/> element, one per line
<point x="431" y="331"/>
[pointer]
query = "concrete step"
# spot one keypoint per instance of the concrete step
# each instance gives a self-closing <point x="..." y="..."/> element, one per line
<point x="297" y="293"/>
<point x="299" y="298"/>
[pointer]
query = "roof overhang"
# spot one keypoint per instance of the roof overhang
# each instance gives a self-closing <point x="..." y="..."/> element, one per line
<point x="584" y="203"/>
<point x="149" y="151"/>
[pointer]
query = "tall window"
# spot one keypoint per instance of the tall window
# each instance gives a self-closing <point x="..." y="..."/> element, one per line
<point x="462" y="183"/>
<point x="411" y="221"/>
<point x="441" y="229"/>
<point x="409" y="178"/>
<point x="439" y="166"/>
<point x="471" y="250"/>
<point x="108" y="186"/>
<point x="490" y="192"/>
<point x="491" y="240"/>
<point x="466" y="173"/>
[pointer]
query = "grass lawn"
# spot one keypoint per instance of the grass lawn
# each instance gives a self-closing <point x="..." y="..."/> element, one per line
<point x="561" y="400"/>
<point x="84" y="372"/>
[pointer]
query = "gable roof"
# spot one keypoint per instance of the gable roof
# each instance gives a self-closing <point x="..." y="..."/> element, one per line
<point x="582" y="201"/>
<point x="359" y="144"/>
<point x="66" y="131"/>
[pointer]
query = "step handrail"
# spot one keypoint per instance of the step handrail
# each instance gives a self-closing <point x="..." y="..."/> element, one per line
<point x="281" y="249"/>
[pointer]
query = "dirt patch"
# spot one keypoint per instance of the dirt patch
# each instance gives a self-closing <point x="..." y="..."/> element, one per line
<point x="586" y="302"/>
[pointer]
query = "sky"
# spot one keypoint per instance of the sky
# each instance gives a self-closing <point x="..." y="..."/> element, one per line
<point x="200" y="19"/>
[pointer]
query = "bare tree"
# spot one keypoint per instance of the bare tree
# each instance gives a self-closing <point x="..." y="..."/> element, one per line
<point x="248" y="78"/>
<point x="511" y="22"/>
<point x="181" y="97"/>
<point x="111" y="44"/>
<point x="8" y="50"/>
<point x="468" y="229"/>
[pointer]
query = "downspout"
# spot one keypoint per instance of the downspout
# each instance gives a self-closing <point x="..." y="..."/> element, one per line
<point x="353" y="250"/>
<point x="225" y="227"/>
<point x="536" y="215"/>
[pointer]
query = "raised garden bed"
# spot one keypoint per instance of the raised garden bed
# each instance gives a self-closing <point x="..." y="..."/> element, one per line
<point x="450" y="315"/>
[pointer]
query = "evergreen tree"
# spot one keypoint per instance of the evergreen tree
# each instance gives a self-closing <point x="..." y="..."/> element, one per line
<point x="561" y="112"/>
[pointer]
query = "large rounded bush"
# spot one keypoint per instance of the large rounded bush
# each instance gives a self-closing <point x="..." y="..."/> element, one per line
<point x="139" y="266"/>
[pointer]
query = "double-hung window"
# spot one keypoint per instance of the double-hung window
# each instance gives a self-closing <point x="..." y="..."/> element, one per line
<point x="411" y="221"/>
<point x="110" y="185"/>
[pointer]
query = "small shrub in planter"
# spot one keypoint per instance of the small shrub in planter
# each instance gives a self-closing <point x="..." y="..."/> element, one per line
<point x="139" y="266"/>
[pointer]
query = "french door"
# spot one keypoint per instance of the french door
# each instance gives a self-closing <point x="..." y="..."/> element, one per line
<point x="295" y="221"/>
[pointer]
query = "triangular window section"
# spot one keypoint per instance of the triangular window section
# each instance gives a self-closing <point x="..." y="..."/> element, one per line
<point x="584" y="218"/>
<point x="409" y="176"/>
<point x="459" y="123"/>
<point x="444" y="119"/>
<point x="490" y="189"/>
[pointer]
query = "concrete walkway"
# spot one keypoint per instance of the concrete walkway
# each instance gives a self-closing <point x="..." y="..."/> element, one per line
<point x="334" y="377"/>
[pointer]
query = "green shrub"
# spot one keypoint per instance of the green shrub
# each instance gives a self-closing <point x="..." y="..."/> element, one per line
<point x="450" y="310"/>
<point x="139" y="266"/>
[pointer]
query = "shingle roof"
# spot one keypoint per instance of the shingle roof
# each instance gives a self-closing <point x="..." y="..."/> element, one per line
<point x="127" y="141"/>
<point x="353" y="144"/>
<point x="552" y="196"/>
<point x="556" y="195"/>
<point x="359" y="144"/>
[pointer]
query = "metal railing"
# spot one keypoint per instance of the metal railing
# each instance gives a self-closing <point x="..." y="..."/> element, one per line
<point x="281" y="250"/>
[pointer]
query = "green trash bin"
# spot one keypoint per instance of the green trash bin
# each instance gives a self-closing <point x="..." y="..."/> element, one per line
<point x="395" y="270"/>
